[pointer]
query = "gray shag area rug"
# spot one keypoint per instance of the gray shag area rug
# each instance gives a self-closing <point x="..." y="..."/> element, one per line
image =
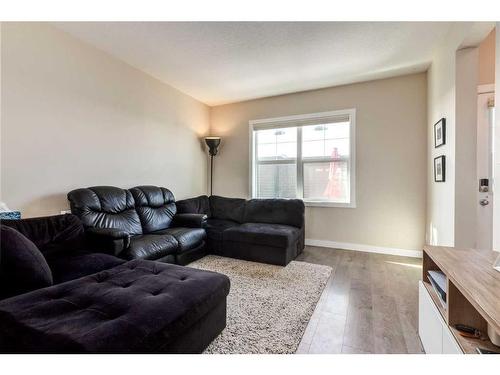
<point x="268" y="306"/>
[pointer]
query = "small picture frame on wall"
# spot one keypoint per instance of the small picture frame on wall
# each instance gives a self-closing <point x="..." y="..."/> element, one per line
<point x="440" y="169"/>
<point x="440" y="133"/>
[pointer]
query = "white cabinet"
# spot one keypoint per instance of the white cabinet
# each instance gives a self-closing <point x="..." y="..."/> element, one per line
<point x="450" y="345"/>
<point x="429" y="325"/>
<point x="433" y="331"/>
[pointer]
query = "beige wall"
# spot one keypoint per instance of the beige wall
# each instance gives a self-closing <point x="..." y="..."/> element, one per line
<point x="73" y="116"/>
<point x="467" y="75"/>
<point x="391" y="164"/>
<point x="487" y="59"/>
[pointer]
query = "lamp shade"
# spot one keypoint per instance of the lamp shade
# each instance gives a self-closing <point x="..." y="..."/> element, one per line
<point x="213" y="144"/>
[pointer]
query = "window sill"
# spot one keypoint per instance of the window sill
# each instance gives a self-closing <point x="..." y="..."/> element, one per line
<point x="329" y="204"/>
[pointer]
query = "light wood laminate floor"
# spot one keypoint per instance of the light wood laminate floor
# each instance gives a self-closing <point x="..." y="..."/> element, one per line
<point x="370" y="304"/>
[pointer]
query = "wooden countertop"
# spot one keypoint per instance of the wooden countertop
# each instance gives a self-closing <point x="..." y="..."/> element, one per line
<point x="472" y="272"/>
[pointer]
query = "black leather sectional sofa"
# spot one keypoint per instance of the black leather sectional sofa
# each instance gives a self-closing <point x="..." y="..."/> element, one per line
<point x="59" y="293"/>
<point x="139" y="223"/>
<point x="145" y="222"/>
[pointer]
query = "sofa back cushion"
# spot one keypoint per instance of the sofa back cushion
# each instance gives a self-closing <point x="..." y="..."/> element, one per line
<point x="51" y="234"/>
<point x="106" y="207"/>
<point x="197" y="205"/>
<point x="23" y="268"/>
<point x="275" y="211"/>
<point x="227" y="208"/>
<point x="155" y="207"/>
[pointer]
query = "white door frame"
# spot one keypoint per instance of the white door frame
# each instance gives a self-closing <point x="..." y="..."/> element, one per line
<point x="484" y="158"/>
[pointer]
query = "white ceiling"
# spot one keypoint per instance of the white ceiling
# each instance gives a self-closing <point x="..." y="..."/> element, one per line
<point x="223" y="62"/>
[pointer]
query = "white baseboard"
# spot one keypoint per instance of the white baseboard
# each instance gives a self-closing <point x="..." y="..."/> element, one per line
<point x="364" y="248"/>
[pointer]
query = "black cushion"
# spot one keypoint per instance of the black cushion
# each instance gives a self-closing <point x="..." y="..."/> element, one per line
<point x="227" y="208"/>
<point x="51" y="234"/>
<point x="23" y="268"/>
<point x="139" y="306"/>
<point x="155" y="207"/>
<point x="187" y="238"/>
<point x="275" y="235"/>
<point x="215" y="227"/>
<point x="106" y="207"/>
<point x="79" y="264"/>
<point x="197" y="205"/>
<point x="275" y="211"/>
<point x="150" y="246"/>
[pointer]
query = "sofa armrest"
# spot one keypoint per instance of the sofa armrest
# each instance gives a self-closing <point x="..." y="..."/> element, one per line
<point x="190" y="220"/>
<point x="111" y="240"/>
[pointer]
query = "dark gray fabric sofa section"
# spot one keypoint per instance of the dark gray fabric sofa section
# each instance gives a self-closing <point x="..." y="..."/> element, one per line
<point x="69" y="252"/>
<point x="99" y="303"/>
<point x="137" y="307"/>
<point x="261" y="230"/>
<point x="140" y="223"/>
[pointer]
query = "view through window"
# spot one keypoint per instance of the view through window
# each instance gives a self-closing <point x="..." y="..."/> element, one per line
<point x="308" y="157"/>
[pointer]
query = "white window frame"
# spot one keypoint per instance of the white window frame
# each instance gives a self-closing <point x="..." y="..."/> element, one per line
<point x="275" y="123"/>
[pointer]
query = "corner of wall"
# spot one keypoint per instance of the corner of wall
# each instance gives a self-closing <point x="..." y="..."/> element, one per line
<point x="442" y="103"/>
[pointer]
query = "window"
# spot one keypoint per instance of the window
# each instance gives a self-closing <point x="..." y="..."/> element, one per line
<point x="310" y="157"/>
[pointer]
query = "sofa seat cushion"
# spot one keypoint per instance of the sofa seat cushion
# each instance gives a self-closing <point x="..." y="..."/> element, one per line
<point x="275" y="235"/>
<point x="150" y="246"/>
<point x="187" y="238"/>
<point x="79" y="264"/>
<point x="215" y="227"/>
<point x="139" y="306"/>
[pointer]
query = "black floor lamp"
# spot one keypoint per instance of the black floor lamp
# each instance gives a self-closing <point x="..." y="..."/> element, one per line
<point x="213" y="146"/>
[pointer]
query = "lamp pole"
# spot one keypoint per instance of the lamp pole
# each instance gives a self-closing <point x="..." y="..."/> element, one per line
<point x="211" y="172"/>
